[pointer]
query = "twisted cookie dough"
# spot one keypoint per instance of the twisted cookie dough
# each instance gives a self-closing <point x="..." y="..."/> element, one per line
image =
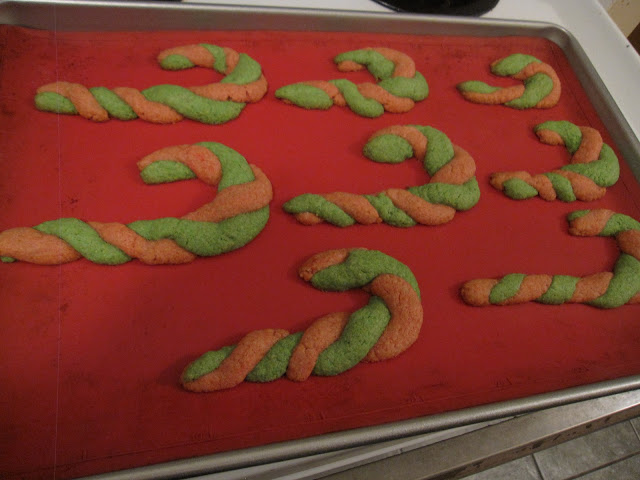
<point x="540" y="86"/>
<point x="594" y="166"/>
<point x="384" y="328"/>
<point x="604" y="290"/>
<point x="213" y="104"/>
<point x="452" y="186"/>
<point x="234" y="217"/>
<point x="399" y="85"/>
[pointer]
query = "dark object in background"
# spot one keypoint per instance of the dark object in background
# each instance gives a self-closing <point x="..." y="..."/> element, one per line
<point x="634" y="38"/>
<point x="443" y="7"/>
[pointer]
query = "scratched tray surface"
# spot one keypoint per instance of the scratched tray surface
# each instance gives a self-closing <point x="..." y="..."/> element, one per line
<point x="91" y="355"/>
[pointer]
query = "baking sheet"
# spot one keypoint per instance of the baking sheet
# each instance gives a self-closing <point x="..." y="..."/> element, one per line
<point x="93" y="354"/>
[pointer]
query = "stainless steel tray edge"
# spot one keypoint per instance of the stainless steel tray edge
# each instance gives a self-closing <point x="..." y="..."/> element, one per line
<point x="70" y="15"/>
<point x="225" y="461"/>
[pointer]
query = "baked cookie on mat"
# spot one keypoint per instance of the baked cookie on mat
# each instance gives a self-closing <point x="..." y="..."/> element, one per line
<point x="398" y="85"/>
<point x="235" y="216"/>
<point x="384" y="328"/>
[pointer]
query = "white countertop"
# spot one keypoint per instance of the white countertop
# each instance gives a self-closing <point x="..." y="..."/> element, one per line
<point x="611" y="54"/>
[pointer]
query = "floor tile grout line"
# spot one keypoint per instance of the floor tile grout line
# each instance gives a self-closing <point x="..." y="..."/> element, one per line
<point x="636" y="430"/>
<point x="594" y="469"/>
<point x="603" y="466"/>
<point x="538" y="469"/>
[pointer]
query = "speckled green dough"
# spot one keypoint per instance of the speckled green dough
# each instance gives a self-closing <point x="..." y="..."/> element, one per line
<point x="506" y="288"/>
<point x="53" y="102"/>
<point x="570" y="133"/>
<point x="84" y="239"/>
<point x="604" y="171"/>
<point x="624" y="284"/>
<point x="318" y="205"/>
<point x="365" y="107"/>
<point x="194" y="106"/>
<point x="461" y="197"/>
<point x="275" y="362"/>
<point x="220" y="62"/>
<point x="207" y="362"/>
<point x="164" y="171"/>
<point x="180" y="62"/>
<point x="359" y="269"/>
<point x="305" y="96"/>
<point x="512" y="64"/>
<point x="476" y="86"/>
<point x="518" y="189"/>
<point x="376" y="63"/>
<point x="616" y="224"/>
<point x="439" y="149"/>
<point x="537" y="87"/>
<point x="560" y="291"/>
<point x="247" y="70"/>
<point x="362" y="331"/>
<point x="389" y="213"/>
<point x="201" y="238"/>
<point x="562" y="187"/>
<point x="113" y="104"/>
<point x="415" y="88"/>
<point x="388" y="149"/>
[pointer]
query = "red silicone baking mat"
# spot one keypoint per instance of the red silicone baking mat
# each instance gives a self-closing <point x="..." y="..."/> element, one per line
<point x="91" y="355"/>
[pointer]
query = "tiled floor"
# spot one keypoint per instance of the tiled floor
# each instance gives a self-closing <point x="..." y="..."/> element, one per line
<point x="612" y="453"/>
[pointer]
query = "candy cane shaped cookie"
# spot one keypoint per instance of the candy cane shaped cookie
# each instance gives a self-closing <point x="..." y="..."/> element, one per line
<point x="384" y="328"/>
<point x="215" y="103"/>
<point x="235" y="216"/>
<point x="540" y="87"/>
<point x="594" y="167"/>
<point x="604" y="289"/>
<point x="452" y="186"/>
<point x="399" y="85"/>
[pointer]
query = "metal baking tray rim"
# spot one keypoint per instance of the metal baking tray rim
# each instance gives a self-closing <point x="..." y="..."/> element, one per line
<point x="72" y="15"/>
<point x="226" y="461"/>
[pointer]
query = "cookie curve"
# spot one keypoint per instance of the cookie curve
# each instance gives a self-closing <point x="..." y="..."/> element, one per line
<point x="541" y="87"/>
<point x="452" y="186"/>
<point x="241" y="205"/>
<point x="392" y="288"/>
<point x="214" y="103"/>
<point x="593" y="167"/>
<point x="602" y="289"/>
